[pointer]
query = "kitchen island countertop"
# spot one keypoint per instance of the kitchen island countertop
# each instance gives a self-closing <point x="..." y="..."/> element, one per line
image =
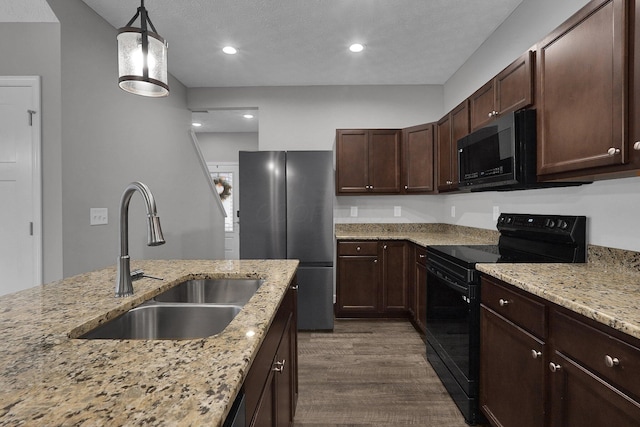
<point x="51" y="378"/>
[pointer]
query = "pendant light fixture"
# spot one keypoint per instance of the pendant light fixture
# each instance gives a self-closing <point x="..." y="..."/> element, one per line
<point x="142" y="58"/>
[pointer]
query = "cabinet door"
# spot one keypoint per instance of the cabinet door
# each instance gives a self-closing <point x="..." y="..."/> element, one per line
<point x="579" y="398"/>
<point x="357" y="286"/>
<point x="394" y="276"/>
<point x="265" y="415"/>
<point x="352" y="165"/>
<point x="513" y="87"/>
<point x="421" y="297"/>
<point x="384" y="161"/>
<point x="512" y="372"/>
<point x="581" y="95"/>
<point x="459" y="129"/>
<point x="283" y="373"/>
<point x="482" y="105"/>
<point x="417" y="161"/>
<point x="444" y="181"/>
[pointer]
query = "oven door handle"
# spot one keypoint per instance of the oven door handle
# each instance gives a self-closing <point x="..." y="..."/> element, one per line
<point x="456" y="287"/>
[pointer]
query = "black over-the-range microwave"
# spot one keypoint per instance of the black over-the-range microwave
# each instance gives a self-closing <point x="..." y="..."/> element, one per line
<point x="502" y="155"/>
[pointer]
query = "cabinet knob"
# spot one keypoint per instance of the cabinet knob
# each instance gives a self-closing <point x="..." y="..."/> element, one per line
<point x="613" y="151"/>
<point x="406" y="187"/>
<point x="535" y="354"/>
<point x="421" y="256"/>
<point x="279" y="366"/>
<point x="494" y="113"/>
<point x="636" y="146"/>
<point x="611" y="361"/>
<point x="503" y="302"/>
<point x="358" y="248"/>
<point x="375" y="261"/>
<point x="384" y="247"/>
<point x="553" y="367"/>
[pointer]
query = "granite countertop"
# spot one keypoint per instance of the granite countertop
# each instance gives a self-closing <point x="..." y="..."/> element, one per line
<point x="605" y="293"/>
<point x="49" y="378"/>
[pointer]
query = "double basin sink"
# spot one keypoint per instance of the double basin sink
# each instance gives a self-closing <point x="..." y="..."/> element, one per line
<point x="192" y="309"/>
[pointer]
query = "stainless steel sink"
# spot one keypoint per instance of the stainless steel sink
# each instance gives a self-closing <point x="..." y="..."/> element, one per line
<point x="219" y="291"/>
<point x="167" y="321"/>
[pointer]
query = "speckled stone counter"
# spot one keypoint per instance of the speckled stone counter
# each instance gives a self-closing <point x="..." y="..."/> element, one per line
<point x="607" y="293"/>
<point x="421" y="234"/>
<point x="49" y="378"/>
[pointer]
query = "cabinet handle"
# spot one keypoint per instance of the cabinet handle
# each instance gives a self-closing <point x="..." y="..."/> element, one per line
<point x="503" y="302"/>
<point x="553" y="367"/>
<point x="295" y="288"/>
<point x="636" y="146"/>
<point x="611" y="361"/>
<point x="449" y="182"/>
<point x="421" y="256"/>
<point x="613" y="151"/>
<point x="535" y="354"/>
<point x="279" y="366"/>
<point x="494" y="113"/>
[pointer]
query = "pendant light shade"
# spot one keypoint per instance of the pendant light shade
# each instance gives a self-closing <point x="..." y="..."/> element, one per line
<point x="142" y="58"/>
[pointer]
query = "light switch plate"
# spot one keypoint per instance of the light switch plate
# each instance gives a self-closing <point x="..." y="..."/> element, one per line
<point x="98" y="216"/>
<point x="354" y="211"/>
<point x="397" y="211"/>
<point x="453" y="211"/>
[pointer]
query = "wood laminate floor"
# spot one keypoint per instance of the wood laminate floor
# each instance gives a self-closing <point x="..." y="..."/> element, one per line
<point x="370" y="373"/>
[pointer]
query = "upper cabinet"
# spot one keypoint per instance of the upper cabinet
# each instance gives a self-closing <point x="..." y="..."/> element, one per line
<point x="510" y="90"/>
<point x="450" y="128"/>
<point x="367" y="161"/>
<point x="417" y="159"/>
<point x="581" y="98"/>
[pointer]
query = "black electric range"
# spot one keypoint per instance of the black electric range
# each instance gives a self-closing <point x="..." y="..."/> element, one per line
<point x="453" y="293"/>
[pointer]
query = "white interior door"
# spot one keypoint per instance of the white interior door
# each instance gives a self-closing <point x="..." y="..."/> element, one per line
<point x="225" y="177"/>
<point x="20" y="217"/>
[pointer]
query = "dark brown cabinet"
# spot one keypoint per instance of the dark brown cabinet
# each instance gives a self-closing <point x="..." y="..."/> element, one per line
<point x="543" y="365"/>
<point x="510" y="350"/>
<point x="372" y="279"/>
<point x="419" y="289"/>
<point x="510" y="90"/>
<point x="581" y="98"/>
<point x="417" y="159"/>
<point x="450" y="128"/>
<point x="271" y="386"/>
<point x="368" y="161"/>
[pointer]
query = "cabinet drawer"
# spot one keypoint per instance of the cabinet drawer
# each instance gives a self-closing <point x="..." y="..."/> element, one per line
<point x="594" y="348"/>
<point x="358" y="248"/>
<point x="421" y="255"/>
<point x="526" y="312"/>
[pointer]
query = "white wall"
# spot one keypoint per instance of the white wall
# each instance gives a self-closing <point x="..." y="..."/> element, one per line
<point x="224" y="146"/>
<point x="33" y="49"/>
<point x="110" y="138"/>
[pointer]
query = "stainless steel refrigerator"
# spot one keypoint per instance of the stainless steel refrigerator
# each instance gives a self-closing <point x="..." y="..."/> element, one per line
<point x="286" y="211"/>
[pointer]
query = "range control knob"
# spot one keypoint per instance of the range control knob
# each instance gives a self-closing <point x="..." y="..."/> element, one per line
<point x="550" y="223"/>
<point x="509" y="220"/>
<point x="562" y="224"/>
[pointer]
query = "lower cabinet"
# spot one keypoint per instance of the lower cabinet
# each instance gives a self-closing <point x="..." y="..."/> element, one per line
<point x="271" y="385"/>
<point x="372" y="279"/>
<point x="543" y="365"/>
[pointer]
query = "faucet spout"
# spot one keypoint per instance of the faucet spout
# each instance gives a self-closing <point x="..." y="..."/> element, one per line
<point x="124" y="285"/>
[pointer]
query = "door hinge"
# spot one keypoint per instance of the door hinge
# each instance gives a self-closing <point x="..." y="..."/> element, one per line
<point x="31" y="113"/>
<point x="31" y="229"/>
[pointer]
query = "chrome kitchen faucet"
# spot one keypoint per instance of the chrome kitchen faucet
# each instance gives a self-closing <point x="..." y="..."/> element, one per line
<point x="124" y="286"/>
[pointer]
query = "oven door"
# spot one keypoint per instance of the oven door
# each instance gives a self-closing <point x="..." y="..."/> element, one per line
<point x="453" y="329"/>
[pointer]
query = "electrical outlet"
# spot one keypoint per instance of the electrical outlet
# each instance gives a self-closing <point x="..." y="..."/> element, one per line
<point x="496" y="213"/>
<point x="98" y="216"/>
<point x="354" y="211"/>
<point x="397" y="211"/>
<point x="453" y="211"/>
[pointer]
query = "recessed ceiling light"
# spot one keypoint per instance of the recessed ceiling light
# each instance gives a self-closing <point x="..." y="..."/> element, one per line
<point x="196" y="124"/>
<point x="356" y="47"/>
<point x="248" y="116"/>
<point x="230" y="50"/>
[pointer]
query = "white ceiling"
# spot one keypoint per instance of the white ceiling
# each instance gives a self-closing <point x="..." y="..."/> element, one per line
<point x="305" y="42"/>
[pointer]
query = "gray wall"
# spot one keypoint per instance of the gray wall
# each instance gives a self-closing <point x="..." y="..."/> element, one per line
<point x="224" y="146"/>
<point x="111" y="138"/>
<point x="33" y="49"/>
